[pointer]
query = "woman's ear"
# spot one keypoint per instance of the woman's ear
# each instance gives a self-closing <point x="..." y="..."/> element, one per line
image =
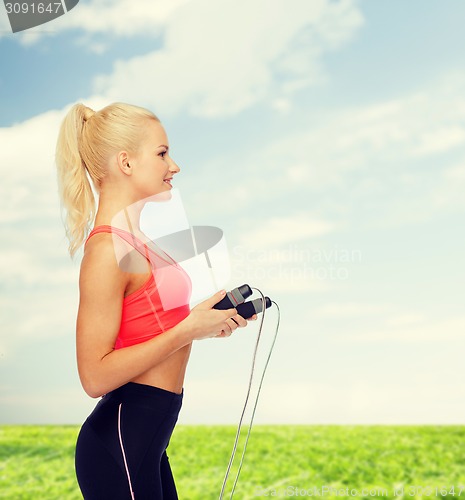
<point x="123" y="162"/>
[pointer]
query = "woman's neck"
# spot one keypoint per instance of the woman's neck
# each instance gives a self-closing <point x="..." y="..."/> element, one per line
<point x="117" y="214"/>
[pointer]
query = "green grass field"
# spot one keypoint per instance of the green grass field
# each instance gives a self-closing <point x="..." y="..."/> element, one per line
<point x="37" y="462"/>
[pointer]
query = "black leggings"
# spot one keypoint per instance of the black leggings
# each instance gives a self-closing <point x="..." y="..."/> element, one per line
<point x="121" y="447"/>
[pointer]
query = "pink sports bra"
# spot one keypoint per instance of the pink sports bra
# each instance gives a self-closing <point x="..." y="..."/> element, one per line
<point x="160" y="304"/>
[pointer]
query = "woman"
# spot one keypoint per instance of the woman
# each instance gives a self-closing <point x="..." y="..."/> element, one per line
<point x="132" y="349"/>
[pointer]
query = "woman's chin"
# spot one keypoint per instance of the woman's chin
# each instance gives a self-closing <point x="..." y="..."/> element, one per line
<point x="164" y="195"/>
<point x="159" y="195"/>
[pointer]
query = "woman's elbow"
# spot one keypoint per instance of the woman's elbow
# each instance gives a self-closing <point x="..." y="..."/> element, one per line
<point x="93" y="393"/>
<point x="91" y="389"/>
<point x="90" y="384"/>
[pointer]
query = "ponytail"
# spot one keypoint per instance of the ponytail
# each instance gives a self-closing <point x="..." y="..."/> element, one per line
<point x="74" y="188"/>
<point x="85" y="142"/>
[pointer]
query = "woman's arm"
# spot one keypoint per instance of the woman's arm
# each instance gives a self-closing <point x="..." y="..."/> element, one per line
<point x="101" y="285"/>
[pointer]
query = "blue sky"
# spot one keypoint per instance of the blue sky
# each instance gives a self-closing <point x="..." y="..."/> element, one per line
<point x="326" y="140"/>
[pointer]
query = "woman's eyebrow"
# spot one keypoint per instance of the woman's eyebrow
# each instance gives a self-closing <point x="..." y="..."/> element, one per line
<point x="163" y="146"/>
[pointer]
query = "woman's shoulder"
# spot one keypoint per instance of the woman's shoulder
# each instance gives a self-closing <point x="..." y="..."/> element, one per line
<point x="99" y="249"/>
<point x="99" y="265"/>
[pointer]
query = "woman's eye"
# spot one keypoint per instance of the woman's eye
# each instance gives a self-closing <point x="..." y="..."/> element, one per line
<point x="163" y="154"/>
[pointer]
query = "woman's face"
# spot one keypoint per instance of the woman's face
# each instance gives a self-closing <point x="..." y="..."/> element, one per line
<point x="153" y="167"/>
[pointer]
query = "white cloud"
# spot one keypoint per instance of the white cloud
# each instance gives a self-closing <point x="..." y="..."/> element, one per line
<point x="281" y="279"/>
<point x="442" y="139"/>
<point x="377" y="139"/>
<point x="388" y="156"/>
<point x="282" y="105"/>
<point x="31" y="139"/>
<point x="351" y="309"/>
<point x="313" y="402"/>
<point x="5" y="28"/>
<point x="26" y="266"/>
<point x="402" y="320"/>
<point x="324" y="402"/>
<point x="149" y="18"/>
<point x="269" y="253"/>
<point x="34" y="264"/>
<point x="412" y="328"/>
<point x="124" y="18"/>
<point x="285" y="229"/>
<point x="456" y="173"/>
<point x="376" y="135"/>
<point x="448" y="194"/>
<point x="223" y="57"/>
<point x="29" y="189"/>
<point x="50" y="405"/>
<point x="391" y="129"/>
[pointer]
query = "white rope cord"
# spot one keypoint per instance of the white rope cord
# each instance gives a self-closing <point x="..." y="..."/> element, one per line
<point x="247" y="398"/>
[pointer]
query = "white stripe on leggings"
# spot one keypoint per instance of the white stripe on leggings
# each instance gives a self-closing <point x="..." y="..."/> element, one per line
<point x="122" y="449"/>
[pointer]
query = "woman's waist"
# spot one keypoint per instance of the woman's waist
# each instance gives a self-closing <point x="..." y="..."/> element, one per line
<point x="169" y="374"/>
<point x="146" y="396"/>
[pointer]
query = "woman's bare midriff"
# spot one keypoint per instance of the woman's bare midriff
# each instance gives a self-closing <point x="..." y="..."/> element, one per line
<point x="170" y="373"/>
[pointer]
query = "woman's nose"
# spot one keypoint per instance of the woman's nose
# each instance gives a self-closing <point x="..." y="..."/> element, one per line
<point x="174" y="167"/>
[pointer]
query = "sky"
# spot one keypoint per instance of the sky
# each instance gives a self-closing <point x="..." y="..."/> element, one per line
<point x="326" y="140"/>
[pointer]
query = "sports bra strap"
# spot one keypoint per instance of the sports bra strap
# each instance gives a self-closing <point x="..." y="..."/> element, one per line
<point x="126" y="235"/>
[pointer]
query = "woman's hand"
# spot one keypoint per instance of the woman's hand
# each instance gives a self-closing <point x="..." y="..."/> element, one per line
<point x="206" y="322"/>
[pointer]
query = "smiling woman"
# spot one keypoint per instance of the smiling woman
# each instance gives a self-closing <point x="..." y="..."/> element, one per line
<point x="132" y="344"/>
<point x="87" y="140"/>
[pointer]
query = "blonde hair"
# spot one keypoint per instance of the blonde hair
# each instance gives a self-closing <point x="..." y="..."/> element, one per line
<point x="86" y="140"/>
